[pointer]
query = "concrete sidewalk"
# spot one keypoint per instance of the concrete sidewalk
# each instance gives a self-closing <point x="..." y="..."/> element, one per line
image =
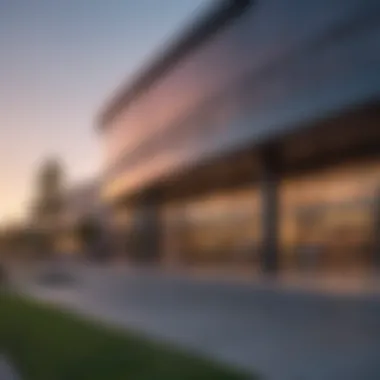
<point x="287" y="335"/>
<point x="7" y="372"/>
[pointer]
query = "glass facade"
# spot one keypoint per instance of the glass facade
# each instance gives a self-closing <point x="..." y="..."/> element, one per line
<point x="326" y="223"/>
<point x="219" y="228"/>
<point x="328" y="219"/>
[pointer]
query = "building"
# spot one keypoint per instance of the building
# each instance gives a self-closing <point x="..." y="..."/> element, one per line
<point x="253" y="140"/>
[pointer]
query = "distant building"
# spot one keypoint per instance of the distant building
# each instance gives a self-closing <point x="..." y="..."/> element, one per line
<point x="253" y="141"/>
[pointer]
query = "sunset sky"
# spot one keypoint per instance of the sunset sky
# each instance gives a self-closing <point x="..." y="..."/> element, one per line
<point x="60" y="60"/>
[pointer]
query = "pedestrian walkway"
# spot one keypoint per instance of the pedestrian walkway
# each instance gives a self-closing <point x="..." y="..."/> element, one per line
<point x="281" y="332"/>
<point x="329" y="284"/>
<point x="7" y="372"/>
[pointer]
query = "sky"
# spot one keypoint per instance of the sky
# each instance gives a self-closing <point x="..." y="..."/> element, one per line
<point x="60" y="61"/>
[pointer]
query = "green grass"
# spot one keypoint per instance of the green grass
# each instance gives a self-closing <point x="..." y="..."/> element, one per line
<point x="47" y="344"/>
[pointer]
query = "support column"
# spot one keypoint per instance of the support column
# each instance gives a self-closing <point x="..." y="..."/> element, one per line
<point x="172" y="231"/>
<point x="270" y="210"/>
<point x="150" y="228"/>
<point x="376" y="233"/>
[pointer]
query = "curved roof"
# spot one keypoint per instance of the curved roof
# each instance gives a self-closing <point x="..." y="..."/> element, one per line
<point x="220" y="14"/>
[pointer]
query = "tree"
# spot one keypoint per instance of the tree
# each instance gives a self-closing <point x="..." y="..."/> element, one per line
<point x="49" y="197"/>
